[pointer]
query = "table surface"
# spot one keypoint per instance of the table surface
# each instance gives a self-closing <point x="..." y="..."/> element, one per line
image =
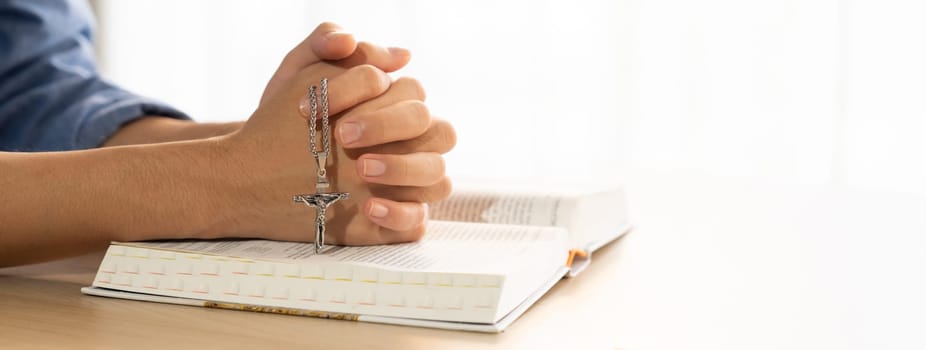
<point x="713" y="263"/>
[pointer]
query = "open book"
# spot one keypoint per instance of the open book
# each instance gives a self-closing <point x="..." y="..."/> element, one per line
<point x="487" y="256"/>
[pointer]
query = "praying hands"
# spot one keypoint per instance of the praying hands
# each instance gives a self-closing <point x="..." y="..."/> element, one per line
<point x="388" y="153"/>
<point x="164" y="178"/>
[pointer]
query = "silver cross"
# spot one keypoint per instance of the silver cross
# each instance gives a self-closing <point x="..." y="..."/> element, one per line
<point x="322" y="197"/>
<point x="320" y="201"/>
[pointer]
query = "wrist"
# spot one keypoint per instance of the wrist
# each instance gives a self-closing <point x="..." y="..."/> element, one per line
<point x="233" y="202"/>
<point x="225" y="189"/>
<point x="256" y="190"/>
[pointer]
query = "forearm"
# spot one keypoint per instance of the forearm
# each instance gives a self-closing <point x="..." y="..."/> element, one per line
<point x="156" y="129"/>
<point x="67" y="203"/>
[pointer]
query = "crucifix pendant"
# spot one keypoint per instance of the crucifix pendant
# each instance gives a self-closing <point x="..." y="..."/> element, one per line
<point x="320" y="201"/>
<point x="323" y="196"/>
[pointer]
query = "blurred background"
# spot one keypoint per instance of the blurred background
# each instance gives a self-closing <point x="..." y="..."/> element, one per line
<point x="792" y="91"/>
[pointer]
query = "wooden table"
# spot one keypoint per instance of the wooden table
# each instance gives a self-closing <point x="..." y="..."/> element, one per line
<point x="713" y="263"/>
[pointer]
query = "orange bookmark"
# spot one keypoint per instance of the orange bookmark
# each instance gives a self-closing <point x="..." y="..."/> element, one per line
<point x="573" y="253"/>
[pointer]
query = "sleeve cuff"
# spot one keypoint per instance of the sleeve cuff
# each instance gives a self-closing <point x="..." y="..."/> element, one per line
<point x="96" y="129"/>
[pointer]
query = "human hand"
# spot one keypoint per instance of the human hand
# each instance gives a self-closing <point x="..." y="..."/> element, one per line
<point x="394" y="128"/>
<point x="396" y="149"/>
<point x="328" y="42"/>
<point x="240" y="184"/>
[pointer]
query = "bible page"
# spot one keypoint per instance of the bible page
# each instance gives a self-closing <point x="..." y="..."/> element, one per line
<point x="446" y="247"/>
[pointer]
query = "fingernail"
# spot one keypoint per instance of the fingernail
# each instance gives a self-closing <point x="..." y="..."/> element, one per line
<point x="350" y="132"/>
<point x="334" y="35"/>
<point x="378" y="210"/>
<point x="304" y="106"/>
<point x="427" y="211"/>
<point x="398" y="51"/>
<point x="373" y="167"/>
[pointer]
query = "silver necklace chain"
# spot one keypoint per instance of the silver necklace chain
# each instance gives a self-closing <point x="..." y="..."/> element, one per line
<point x="323" y="196"/>
<point x="313" y="107"/>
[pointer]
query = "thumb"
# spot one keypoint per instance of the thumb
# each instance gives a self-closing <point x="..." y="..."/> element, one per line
<point x="327" y="42"/>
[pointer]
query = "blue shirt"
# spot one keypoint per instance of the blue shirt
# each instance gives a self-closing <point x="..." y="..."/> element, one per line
<point x="52" y="97"/>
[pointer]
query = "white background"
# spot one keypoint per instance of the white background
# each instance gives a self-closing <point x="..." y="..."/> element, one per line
<point x="801" y="92"/>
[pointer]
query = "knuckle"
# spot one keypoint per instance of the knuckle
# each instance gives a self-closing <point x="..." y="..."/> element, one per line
<point x="429" y="169"/>
<point x="365" y="46"/>
<point x="421" y="116"/>
<point x="371" y="78"/>
<point x="365" y="49"/>
<point x="412" y="85"/>
<point x="377" y="134"/>
<point x="328" y="25"/>
<point x="402" y="165"/>
<point x="305" y="74"/>
<point x="446" y="136"/>
<point x="443" y="189"/>
<point x="433" y="169"/>
<point x="437" y="192"/>
<point x="438" y="166"/>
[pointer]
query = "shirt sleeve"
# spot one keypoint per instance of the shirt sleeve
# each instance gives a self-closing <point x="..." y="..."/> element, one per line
<point x="52" y="97"/>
